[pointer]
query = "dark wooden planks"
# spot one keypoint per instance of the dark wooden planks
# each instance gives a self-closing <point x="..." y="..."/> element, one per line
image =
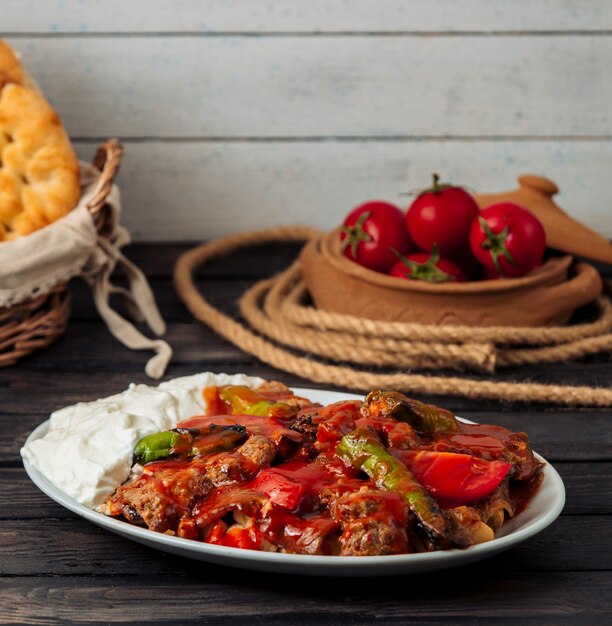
<point x="223" y="279"/>
<point x="560" y="576"/>
<point x="158" y="260"/>
<point x="21" y="499"/>
<point x="470" y="595"/>
<point x="223" y="293"/>
<point x="88" y="346"/>
<point x="45" y="547"/>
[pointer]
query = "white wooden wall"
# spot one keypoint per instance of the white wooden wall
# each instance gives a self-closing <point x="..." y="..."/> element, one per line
<point x="247" y="113"/>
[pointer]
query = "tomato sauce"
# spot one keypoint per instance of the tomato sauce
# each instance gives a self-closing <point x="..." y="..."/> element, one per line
<point x="313" y="479"/>
<point x="308" y="493"/>
<point x="274" y="428"/>
<point x="483" y="440"/>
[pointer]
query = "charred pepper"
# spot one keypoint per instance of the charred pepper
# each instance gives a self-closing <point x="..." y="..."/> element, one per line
<point x="246" y="401"/>
<point x="362" y="449"/>
<point x="424" y="418"/>
<point x="188" y="442"/>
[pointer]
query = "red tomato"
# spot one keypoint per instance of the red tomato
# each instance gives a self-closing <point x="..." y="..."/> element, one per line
<point x="216" y="533"/>
<point x="487" y="273"/>
<point x="429" y="267"/>
<point x="371" y="232"/>
<point x="467" y="262"/>
<point x="458" y="478"/>
<point x="247" y="538"/>
<point x="280" y="488"/>
<point x="508" y="239"/>
<point x="441" y="215"/>
<point x="336" y="426"/>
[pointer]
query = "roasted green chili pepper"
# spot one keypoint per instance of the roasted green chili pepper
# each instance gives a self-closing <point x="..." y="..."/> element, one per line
<point x="425" y="418"/>
<point x="162" y="445"/>
<point x="218" y="439"/>
<point x="246" y="401"/>
<point x="362" y="449"/>
<point x="188" y="442"/>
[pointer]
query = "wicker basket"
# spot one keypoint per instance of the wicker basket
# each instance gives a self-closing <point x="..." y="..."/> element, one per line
<point x="38" y="322"/>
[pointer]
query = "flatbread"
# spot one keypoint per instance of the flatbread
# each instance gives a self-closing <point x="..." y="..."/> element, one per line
<point x="10" y="66"/>
<point x="39" y="171"/>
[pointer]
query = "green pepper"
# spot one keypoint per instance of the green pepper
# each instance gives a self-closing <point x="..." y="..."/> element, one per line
<point x="162" y="445"/>
<point x="362" y="449"/>
<point x="246" y="401"/>
<point x="216" y="438"/>
<point x="189" y="442"/>
<point x="425" y="418"/>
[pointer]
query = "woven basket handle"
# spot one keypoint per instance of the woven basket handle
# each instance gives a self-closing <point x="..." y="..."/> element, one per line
<point x="107" y="160"/>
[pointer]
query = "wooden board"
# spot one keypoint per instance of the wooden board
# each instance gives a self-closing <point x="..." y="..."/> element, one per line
<point x="319" y="16"/>
<point x="217" y="595"/>
<point x="281" y="110"/>
<point x="195" y="190"/>
<point x="262" y="87"/>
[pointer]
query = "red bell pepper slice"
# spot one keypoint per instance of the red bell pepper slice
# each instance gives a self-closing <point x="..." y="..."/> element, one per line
<point x="336" y="420"/>
<point x="216" y="533"/>
<point x="247" y="538"/>
<point x="280" y="488"/>
<point x="213" y="402"/>
<point x="456" y="478"/>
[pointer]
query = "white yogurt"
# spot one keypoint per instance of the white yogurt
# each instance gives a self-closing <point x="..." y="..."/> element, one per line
<point x="87" y="452"/>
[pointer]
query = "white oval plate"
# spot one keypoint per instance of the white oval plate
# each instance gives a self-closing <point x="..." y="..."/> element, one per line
<point x="543" y="509"/>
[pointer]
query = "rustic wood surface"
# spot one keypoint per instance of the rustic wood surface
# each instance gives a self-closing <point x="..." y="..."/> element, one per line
<point x="182" y="88"/>
<point x="187" y="190"/>
<point x="57" y="568"/>
<point x="305" y="109"/>
<point x="295" y="16"/>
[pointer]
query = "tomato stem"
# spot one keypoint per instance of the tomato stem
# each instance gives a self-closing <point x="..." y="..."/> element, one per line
<point x="355" y="235"/>
<point x="436" y="187"/>
<point x="428" y="270"/>
<point x="495" y="243"/>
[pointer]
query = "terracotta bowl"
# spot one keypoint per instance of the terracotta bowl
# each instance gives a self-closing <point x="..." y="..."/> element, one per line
<point x="547" y="296"/>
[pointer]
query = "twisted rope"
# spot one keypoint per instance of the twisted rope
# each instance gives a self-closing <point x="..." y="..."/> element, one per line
<point x="380" y="351"/>
<point x="296" y="312"/>
<point x="275" y="309"/>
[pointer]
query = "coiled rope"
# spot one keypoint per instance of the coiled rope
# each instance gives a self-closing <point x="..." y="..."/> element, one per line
<point x="279" y="318"/>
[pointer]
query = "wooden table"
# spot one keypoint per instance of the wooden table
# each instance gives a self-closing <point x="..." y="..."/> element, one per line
<point x="56" y="567"/>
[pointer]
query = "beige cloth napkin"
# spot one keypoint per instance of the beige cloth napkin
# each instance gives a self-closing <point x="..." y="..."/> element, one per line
<point x="72" y="246"/>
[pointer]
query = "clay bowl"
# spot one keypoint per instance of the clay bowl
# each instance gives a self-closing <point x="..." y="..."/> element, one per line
<point x="547" y="296"/>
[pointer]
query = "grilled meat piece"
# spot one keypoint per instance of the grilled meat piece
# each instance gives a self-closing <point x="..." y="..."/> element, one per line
<point x="159" y="498"/>
<point x="226" y="468"/>
<point x="372" y="522"/>
<point x="371" y="537"/>
<point x="520" y="454"/>
<point x="303" y="424"/>
<point x="259" y="450"/>
<point x="466" y="526"/>
<point x="232" y="467"/>
<point x="282" y="393"/>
